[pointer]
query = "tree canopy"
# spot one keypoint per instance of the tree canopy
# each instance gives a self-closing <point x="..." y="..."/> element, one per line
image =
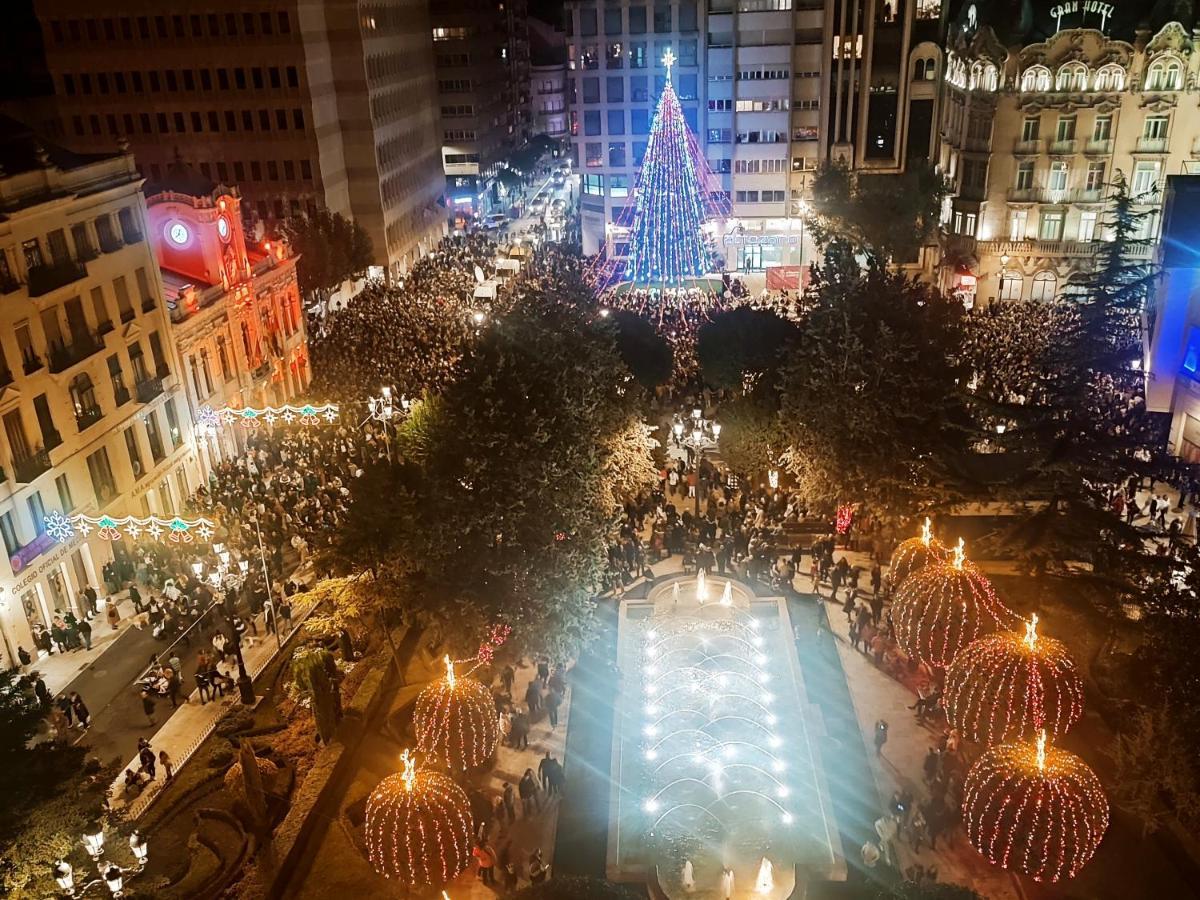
<point x="332" y="247"/>
<point x="644" y="351"/>
<point x="741" y="345"/>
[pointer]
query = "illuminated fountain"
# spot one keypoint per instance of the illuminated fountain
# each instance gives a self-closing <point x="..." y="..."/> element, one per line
<point x="712" y="761"/>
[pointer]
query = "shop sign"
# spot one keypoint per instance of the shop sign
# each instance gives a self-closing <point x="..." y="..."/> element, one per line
<point x="761" y="240"/>
<point x="30" y="552"/>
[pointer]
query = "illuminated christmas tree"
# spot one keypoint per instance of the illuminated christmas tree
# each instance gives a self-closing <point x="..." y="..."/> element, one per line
<point x="666" y="243"/>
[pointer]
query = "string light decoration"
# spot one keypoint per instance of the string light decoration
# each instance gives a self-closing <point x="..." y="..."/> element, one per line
<point x="942" y="607"/>
<point x="667" y="245"/>
<point x="455" y="721"/>
<point x="112" y="528"/>
<point x="495" y="638"/>
<point x="916" y="553"/>
<point x="253" y="417"/>
<point x="844" y="519"/>
<point x="418" y="827"/>
<point x="1034" y="809"/>
<point x="1011" y="686"/>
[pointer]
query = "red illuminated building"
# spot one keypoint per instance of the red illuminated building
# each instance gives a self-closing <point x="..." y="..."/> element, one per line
<point x="235" y="310"/>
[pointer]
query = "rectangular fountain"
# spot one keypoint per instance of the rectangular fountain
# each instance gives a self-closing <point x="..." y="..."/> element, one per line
<point x="712" y="759"/>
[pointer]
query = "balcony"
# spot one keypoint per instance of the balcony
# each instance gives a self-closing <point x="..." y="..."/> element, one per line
<point x="121" y="395"/>
<point x="148" y="389"/>
<point x="1064" y="148"/>
<point x="1087" y="195"/>
<point x="1027" y="148"/>
<point x="85" y="252"/>
<point x="104" y="327"/>
<point x="1151" y="145"/>
<point x="47" y="277"/>
<point x="149" y="304"/>
<point x="53" y="439"/>
<point x="88" y="416"/>
<point x="63" y="357"/>
<point x="31" y="363"/>
<point x="127" y="315"/>
<point x="6" y="378"/>
<point x="29" y="468"/>
<point x="110" y="243"/>
<point x="9" y="284"/>
<point x="1023" y="195"/>
<point x="1143" y="250"/>
<point x="262" y="371"/>
<point x="132" y="236"/>
<point x="1098" y="148"/>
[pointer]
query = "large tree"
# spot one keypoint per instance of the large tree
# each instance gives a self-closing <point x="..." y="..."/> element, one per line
<point x="871" y="405"/>
<point x="738" y="347"/>
<point x="332" y="249"/>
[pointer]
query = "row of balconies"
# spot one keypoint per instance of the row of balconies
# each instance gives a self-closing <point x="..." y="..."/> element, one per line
<point x="1051" y="195"/>
<point x="1074" y="145"/>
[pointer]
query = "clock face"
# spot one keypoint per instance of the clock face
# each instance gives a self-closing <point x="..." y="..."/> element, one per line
<point x="178" y="233"/>
<point x="223" y="227"/>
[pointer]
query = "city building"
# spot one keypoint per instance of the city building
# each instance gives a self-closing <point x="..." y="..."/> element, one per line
<point x="94" y="417"/>
<point x="1035" y="135"/>
<point x="547" y="80"/>
<point x="300" y="105"/>
<point x="770" y="87"/>
<point x="236" y="316"/>
<point x="481" y="54"/>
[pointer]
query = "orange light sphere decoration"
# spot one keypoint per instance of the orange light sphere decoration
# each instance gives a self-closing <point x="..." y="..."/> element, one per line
<point x="456" y="721"/>
<point x="1034" y="809"/>
<point x="418" y="828"/>
<point x="915" y="554"/>
<point x="1009" y="686"/>
<point x="941" y="608"/>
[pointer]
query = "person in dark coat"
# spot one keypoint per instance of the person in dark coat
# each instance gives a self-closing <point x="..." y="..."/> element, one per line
<point x="148" y="706"/>
<point x="82" y="715"/>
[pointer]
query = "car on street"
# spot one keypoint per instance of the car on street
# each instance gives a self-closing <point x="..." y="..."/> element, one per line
<point x="495" y="220"/>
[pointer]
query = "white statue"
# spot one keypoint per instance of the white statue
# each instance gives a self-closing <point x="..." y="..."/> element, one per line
<point x="687" y="877"/>
<point x="766" y="877"/>
<point x="726" y="883"/>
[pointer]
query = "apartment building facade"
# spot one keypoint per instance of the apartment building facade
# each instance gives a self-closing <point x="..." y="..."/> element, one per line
<point x="1036" y="135"/>
<point x="236" y="316"/>
<point x="94" y="419"/>
<point x="481" y="55"/>
<point x="301" y="103"/>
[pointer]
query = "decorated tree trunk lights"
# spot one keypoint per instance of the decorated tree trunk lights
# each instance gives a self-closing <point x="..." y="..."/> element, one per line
<point x="915" y="554"/>
<point x="942" y="607"/>
<point x="1034" y="809"/>
<point x="455" y="721"/>
<point x="1010" y="686"/>
<point x="418" y="827"/>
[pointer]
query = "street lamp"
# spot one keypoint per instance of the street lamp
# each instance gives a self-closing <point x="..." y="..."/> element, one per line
<point x="93" y="841"/>
<point x="141" y="849"/>
<point x="703" y="432"/>
<point x="114" y="878"/>
<point x="64" y="874"/>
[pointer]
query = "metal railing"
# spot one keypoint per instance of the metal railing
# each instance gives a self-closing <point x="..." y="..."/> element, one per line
<point x="148" y="389"/>
<point x="50" y="276"/>
<point x="33" y="465"/>
<point x="88" y="416"/>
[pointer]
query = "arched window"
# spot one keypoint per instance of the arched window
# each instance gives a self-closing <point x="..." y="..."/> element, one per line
<point x="1044" y="284"/>
<point x="1036" y="78"/>
<point x="991" y="79"/>
<point x="919" y="70"/>
<point x="83" y="394"/>
<point x="976" y="80"/>
<point x="1165" y="74"/>
<point x="1110" y="78"/>
<point x="1010" y="285"/>
<point x="1072" y="77"/>
<point x="931" y="70"/>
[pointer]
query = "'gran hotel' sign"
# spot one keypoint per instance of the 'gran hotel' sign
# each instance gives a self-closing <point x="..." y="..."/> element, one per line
<point x="1077" y="12"/>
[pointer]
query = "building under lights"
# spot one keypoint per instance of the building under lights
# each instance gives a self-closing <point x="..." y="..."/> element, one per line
<point x="771" y="88"/>
<point x="91" y="397"/>
<point x="236" y="315"/>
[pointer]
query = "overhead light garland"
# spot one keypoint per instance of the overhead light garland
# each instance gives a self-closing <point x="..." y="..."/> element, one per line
<point x="455" y="721"/>
<point x="418" y="827"/>
<point x="1034" y="809"/>
<point x="941" y="608"/>
<point x="209" y="419"/>
<point x="916" y="553"/>
<point x="1011" y="686"/>
<point x="112" y="528"/>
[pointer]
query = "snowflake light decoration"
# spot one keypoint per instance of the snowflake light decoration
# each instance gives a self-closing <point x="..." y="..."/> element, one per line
<point x="113" y="528"/>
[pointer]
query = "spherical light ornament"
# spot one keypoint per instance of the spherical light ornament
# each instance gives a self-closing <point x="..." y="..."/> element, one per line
<point x="1034" y="809"/>
<point x="418" y="827"/>
<point x="941" y="608"/>
<point x="1009" y="686"/>
<point x="455" y="721"/>
<point x="915" y="554"/>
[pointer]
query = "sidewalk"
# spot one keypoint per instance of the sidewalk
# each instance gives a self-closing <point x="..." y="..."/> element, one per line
<point x="192" y="722"/>
<point x="60" y="669"/>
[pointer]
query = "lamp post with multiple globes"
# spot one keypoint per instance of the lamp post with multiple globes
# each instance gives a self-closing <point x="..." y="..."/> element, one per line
<point x="109" y="873"/>
<point x="696" y="433"/>
<point x="222" y="578"/>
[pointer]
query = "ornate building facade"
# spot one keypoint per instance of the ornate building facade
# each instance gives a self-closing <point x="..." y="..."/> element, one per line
<point x="236" y="316"/>
<point x="1034" y="137"/>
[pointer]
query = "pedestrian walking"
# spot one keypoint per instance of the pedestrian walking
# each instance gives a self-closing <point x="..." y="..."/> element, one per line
<point x="553" y="702"/>
<point x="533" y="698"/>
<point x="83" y="717"/>
<point x="543" y="671"/>
<point x="64" y="706"/>
<point x="506" y="679"/>
<point x="881" y="735"/>
<point x="486" y="857"/>
<point x="528" y="790"/>
<point x="112" y="613"/>
<point x="202" y="685"/>
<point x="519" y="733"/>
<point x="146" y="757"/>
<point x="148" y="706"/>
<point x="510" y="802"/>
<point x="543" y="770"/>
<point x="168" y="766"/>
<point x="85" y="631"/>
<point x="174" y="683"/>
<point x="41" y="691"/>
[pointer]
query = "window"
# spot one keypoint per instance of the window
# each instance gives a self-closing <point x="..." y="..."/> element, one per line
<point x="1030" y="128"/>
<point x="1072" y="77"/>
<point x="639" y="121"/>
<point x="154" y="435"/>
<point x="619" y="186"/>
<point x="616" y="155"/>
<point x="662" y="17"/>
<point x="1017" y="221"/>
<point x="616" y="121"/>
<point x="593" y="153"/>
<point x="65" y="500"/>
<point x="117" y="378"/>
<point x="1110" y="78"/>
<point x="637" y="56"/>
<point x="587" y="22"/>
<point x="156" y="354"/>
<point x="1155" y="128"/>
<point x="1095" y="176"/>
<point x="135" y="454"/>
<point x="9" y="533"/>
<point x="1145" y="178"/>
<point x="173" y="431"/>
<point x="1066" y="129"/>
<point x="1025" y="175"/>
<point x="1166" y="74"/>
<point x="591" y="90"/>
<point x="637" y="20"/>
<point x="593" y="184"/>
<point x="591" y="122"/>
<point x="1043" y="287"/>
<point x="1087" y="226"/>
<point x="1102" y="129"/>
<point x="1050" y="225"/>
<point x="1058" y="176"/>
<point x="1036" y="78"/>
<point x="612" y="20"/>
<point x="1010" y="285"/>
<point x="37" y="512"/>
<point x="101" y="474"/>
<point x="615" y="89"/>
